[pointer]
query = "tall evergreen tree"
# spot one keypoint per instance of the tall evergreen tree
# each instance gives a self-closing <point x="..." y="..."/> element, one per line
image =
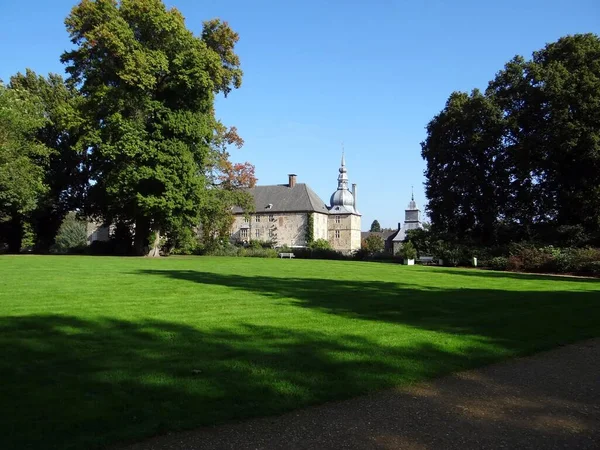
<point x="375" y="226"/>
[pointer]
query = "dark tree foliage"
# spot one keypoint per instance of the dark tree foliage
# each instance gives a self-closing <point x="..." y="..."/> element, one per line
<point x="522" y="160"/>
<point x="64" y="175"/>
<point x="375" y="226"/>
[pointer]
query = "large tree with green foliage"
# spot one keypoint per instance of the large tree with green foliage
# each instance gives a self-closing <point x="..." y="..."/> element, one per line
<point x="521" y="161"/>
<point x="373" y="243"/>
<point x="149" y="86"/>
<point x="65" y="174"/>
<point x="23" y="161"/>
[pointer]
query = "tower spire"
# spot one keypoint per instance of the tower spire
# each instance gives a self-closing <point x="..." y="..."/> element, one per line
<point x="343" y="157"/>
<point x="412" y="193"/>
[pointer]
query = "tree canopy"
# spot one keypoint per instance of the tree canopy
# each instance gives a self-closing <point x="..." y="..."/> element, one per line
<point x="22" y="162"/>
<point x="149" y="86"/>
<point x="375" y="227"/>
<point x="522" y="160"/>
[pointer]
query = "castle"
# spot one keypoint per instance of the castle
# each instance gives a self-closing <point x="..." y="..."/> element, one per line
<point x="284" y="213"/>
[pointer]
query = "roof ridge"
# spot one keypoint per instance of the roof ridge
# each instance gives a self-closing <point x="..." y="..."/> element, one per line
<point x="309" y="191"/>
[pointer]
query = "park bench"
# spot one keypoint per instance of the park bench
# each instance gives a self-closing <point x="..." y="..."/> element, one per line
<point x="287" y="255"/>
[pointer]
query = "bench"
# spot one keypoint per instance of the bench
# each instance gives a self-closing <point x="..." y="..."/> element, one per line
<point x="287" y="255"/>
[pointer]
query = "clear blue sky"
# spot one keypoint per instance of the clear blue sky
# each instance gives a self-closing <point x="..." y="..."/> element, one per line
<point x="370" y="74"/>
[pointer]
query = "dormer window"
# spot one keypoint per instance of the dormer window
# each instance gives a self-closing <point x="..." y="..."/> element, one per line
<point x="269" y="206"/>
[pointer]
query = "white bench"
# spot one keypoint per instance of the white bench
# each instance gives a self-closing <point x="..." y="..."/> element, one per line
<point x="287" y="255"/>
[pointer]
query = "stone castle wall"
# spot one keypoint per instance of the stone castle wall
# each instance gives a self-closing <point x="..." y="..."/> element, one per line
<point x="344" y="232"/>
<point x="281" y="228"/>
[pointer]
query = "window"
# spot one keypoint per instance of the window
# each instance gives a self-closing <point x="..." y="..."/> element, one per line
<point x="337" y="234"/>
<point x="338" y="219"/>
<point x="247" y="219"/>
<point x="257" y="218"/>
<point x="271" y="218"/>
<point x="244" y="232"/>
<point x="271" y="233"/>
<point x="257" y="233"/>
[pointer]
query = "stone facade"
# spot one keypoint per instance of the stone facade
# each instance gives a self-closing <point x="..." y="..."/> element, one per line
<point x="344" y="232"/>
<point x="282" y="212"/>
<point x="97" y="232"/>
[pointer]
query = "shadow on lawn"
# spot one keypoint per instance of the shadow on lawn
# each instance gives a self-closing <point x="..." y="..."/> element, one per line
<point x="74" y="383"/>
<point x="485" y="273"/>
<point x="506" y="317"/>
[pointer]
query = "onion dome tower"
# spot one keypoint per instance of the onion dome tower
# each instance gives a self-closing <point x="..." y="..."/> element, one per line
<point x="342" y="200"/>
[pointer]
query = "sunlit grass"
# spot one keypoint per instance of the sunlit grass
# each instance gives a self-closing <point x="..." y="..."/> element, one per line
<point x="98" y="350"/>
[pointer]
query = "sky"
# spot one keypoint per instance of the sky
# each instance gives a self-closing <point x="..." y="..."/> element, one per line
<point x="319" y="75"/>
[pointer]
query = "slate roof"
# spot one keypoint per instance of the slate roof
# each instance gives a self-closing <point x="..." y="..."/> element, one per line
<point x="300" y="198"/>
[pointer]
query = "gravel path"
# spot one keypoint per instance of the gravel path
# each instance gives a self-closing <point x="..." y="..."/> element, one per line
<point x="547" y="401"/>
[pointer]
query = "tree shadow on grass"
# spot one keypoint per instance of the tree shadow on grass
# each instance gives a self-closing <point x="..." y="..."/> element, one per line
<point x="485" y="273"/>
<point x="522" y="320"/>
<point x="70" y="383"/>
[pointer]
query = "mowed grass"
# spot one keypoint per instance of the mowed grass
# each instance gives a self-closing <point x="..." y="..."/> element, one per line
<point x="97" y="351"/>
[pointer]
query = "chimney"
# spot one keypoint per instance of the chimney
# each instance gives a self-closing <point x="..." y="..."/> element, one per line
<point x="399" y="225"/>
<point x="354" y="193"/>
<point x="291" y="180"/>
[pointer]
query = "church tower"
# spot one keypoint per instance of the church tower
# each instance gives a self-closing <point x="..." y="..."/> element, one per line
<point x="344" y="218"/>
<point x="412" y="215"/>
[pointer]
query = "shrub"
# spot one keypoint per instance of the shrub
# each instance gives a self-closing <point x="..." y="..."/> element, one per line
<point x="317" y="253"/>
<point x="408" y="251"/>
<point x="320" y="244"/>
<point x="498" y="263"/>
<point x="373" y="244"/>
<point x="259" y="253"/>
<point x="72" y="235"/>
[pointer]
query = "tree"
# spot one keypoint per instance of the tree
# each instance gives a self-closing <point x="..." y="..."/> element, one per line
<point x="149" y="86"/>
<point x="373" y="243"/>
<point x="407" y="251"/>
<point x="375" y="227"/>
<point x="422" y="241"/>
<point x="521" y="161"/>
<point x="466" y="170"/>
<point x="227" y="187"/>
<point x="65" y="174"/>
<point x="22" y="162"/>
<point x="71" y="235"/>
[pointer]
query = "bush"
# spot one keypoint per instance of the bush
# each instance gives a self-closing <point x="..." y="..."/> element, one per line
<point x="317" y="253"/>
<point x="72" y="235"/>
<point x="498" y="263"/>
<point x="408" y="251"/>
<point x="259" y="252"/>
<point x="320" y="244"/>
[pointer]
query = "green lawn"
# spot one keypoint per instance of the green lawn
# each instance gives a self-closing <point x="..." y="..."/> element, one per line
<point x="99" y="350"/>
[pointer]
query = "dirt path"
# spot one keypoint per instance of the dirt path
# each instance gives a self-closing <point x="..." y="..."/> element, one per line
<point x="547" y="401"/>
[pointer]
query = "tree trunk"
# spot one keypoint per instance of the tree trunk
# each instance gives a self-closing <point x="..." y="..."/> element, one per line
<point x="15" y="233"/>
<point x="140" y="240"/>
<point x="155" y="246"/>
<point x="46" y="225"/>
